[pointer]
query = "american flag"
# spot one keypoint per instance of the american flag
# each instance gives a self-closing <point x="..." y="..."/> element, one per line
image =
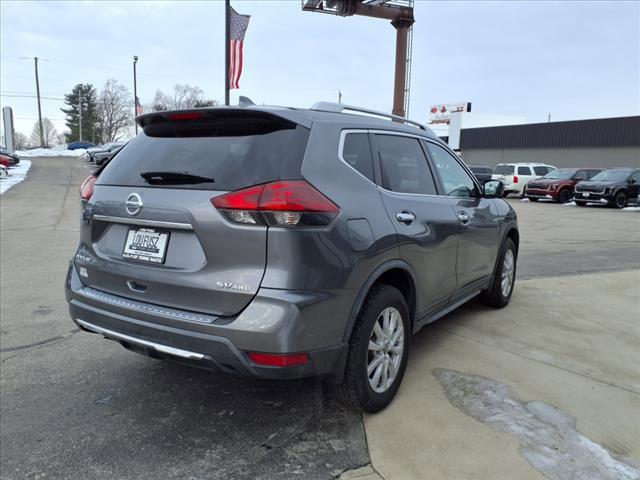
<point x="139" y="109"/>
<point x="237" y="28"/>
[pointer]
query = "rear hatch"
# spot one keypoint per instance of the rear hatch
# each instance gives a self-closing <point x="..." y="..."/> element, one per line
<point x="503" y="173"/>
<point x="150" y="227"/>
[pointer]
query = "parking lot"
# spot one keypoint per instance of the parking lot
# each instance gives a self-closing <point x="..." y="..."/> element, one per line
<point x="563" y="358"/>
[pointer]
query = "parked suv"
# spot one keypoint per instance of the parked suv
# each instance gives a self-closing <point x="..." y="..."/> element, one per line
<point x="481" y="172"/>
<point x="614" y="187"/>
<point x="558" y="185"/>
<point x="285" y="243"/>
<point x="515" y="176"/>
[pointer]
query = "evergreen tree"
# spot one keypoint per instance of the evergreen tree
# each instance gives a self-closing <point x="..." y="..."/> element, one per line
<point x="90" y="132"/>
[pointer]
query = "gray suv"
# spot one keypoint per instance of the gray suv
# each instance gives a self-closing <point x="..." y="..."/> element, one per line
<point x="285" y="243"/>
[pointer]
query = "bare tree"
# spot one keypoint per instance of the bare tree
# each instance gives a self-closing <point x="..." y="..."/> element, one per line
<point x="20" y="141"/>
<point x="114" y="110"/>
<point x="184" y="96"/>
<point x="49" y="133"/>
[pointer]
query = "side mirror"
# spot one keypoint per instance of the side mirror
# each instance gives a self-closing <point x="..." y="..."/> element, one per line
<point x="578" y="179"/>
<point x="493" y="189"/>
<point x="632" y="181"/>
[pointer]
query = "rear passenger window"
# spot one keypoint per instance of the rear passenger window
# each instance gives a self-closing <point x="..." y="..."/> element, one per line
<point x="539" y="170"/>
<point x="357" y="153"/>
<point x="526" y="171"/>
<point x="404" y="165"/>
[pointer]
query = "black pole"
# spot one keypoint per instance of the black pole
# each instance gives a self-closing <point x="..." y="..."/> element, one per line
<point x="35" y="60"/>
<point x="135" y="93"/>
<point x="227" y="53"/>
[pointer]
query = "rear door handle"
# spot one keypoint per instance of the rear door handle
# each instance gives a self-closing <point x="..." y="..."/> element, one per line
<point x="405" y="216"/>
<point x="463" y="217"/>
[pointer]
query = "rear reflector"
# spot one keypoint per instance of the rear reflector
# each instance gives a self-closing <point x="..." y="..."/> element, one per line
<point x="282" y="203"/>
<point x="279" y="360"/>
<point x="86" y="189"/>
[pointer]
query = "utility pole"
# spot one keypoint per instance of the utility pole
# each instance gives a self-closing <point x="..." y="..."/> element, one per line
<point x="135" y="92"/>
<point x="79" y="116"/>
<point x="227" y="46"/>
<point x="35" y="59"/>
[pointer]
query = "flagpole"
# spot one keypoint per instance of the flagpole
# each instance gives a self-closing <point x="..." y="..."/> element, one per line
<point x="227" y="56"/>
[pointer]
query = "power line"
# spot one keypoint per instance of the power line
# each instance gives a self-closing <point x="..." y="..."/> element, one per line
<point x="30" y="96"/>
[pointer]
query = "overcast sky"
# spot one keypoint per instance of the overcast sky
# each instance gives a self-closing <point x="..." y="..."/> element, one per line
<point x="571" y="59"/>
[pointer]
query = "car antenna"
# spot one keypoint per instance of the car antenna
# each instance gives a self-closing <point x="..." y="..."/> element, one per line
<point x="245" y="101"/>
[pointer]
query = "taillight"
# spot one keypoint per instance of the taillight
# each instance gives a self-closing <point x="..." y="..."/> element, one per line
<point x="86" y="189"/>
<point x="515" y="179"/>
<point x="183" y="116"/>
<point x="285" y="203"/>
<point x="279" y="360"/>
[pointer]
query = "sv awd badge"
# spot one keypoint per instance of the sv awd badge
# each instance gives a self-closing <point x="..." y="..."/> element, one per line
<point x="233" y="286"/>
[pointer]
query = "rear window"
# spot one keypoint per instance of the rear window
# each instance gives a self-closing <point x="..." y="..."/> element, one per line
<point x="504" y="170"/>
<point x="235" y="152"/>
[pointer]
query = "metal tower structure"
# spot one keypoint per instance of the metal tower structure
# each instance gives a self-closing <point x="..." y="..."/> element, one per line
<point x="400" y="13"/>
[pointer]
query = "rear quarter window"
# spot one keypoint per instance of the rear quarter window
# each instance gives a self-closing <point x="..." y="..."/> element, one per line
<point x="236" y="153"/>
<point x="356" y="152"/>
<point x="541" y="170"/>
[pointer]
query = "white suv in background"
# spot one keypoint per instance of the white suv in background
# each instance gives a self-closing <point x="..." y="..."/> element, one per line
<point x="515" y="176"/>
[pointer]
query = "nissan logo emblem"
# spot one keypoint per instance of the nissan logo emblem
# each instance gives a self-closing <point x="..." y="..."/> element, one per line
<point x="133" y="204"/>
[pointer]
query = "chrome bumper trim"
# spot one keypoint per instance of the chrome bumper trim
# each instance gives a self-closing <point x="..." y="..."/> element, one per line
<point x="146" y="223"/>
<point x="178" y="352"/>
<point x="145" y="307"/>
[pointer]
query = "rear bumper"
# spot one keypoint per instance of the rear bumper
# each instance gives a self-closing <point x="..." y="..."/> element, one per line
<point x="267" y="325"/>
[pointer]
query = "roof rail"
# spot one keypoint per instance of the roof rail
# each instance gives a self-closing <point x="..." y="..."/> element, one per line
<point x="341" y="108"/>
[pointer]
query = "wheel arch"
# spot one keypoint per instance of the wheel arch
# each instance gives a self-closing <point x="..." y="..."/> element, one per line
<point x="396" y="273"/>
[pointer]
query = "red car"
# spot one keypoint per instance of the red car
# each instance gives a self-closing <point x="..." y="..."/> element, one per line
<point x="558" y="185"/>
<point x="6" y="161"/>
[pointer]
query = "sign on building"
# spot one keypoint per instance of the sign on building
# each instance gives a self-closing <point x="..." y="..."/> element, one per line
<point x="442" y="113"/>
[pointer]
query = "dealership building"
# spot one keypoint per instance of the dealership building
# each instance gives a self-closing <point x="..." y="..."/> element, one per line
<point x="602" y="142"/>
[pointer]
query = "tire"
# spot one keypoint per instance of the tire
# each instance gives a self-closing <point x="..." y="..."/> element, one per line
<point x="581" y="204"/>
<point x="564" y="196"/>
<point x="356" y="391"/>
<point x="497" y="296"/>
<point x="620" y="199"/>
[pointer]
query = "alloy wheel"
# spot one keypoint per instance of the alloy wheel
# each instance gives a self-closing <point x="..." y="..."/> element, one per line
<point x="386" y="346"/>
<point x="508" y="265"/>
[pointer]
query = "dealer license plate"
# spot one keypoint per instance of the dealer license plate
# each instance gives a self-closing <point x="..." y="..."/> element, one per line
<point x="146" y="245"/>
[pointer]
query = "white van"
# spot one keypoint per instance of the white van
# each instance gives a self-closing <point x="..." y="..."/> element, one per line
<point x="515" y="176"/>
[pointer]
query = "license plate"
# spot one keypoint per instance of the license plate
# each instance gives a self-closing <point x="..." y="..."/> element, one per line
<point x="586" y="195"/>
<point x="146" y="245"/>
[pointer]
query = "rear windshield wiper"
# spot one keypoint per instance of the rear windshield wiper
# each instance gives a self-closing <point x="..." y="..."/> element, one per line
<point x="157" y="178"/>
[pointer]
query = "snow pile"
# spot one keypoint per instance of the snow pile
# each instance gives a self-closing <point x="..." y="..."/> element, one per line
<point x="524" y="199"/>
<point x="631" y="209"/>
<point x="570" y="204"/>
<point x="16" y="175"/>
<point x="49" y="152"/>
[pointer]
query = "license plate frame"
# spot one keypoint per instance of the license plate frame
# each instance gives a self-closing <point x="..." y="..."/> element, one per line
<point x="148" y="251"/>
